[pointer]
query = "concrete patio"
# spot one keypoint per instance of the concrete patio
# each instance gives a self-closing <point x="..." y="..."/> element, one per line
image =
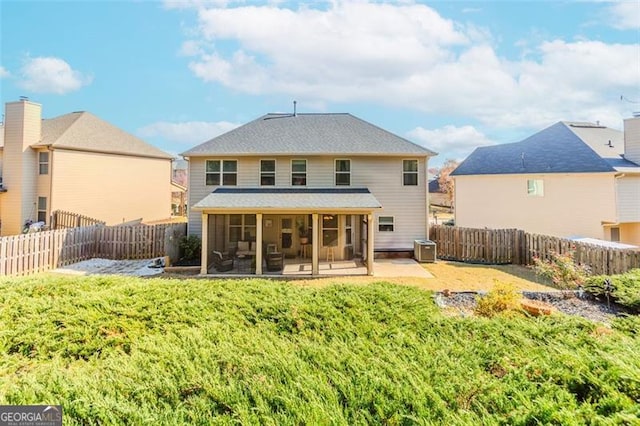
<point x="383" y="268"/>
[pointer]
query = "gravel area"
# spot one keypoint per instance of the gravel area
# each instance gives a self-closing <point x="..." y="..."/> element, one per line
<point x="568" y="303"/>
<point x="99" y="266"/>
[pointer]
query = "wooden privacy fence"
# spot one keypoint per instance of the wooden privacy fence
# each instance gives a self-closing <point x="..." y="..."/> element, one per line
<point x="41" y="251"/>
<point x="61" y="219"/>
<point x="502" y="246"/>
<point x="474" y="245"/>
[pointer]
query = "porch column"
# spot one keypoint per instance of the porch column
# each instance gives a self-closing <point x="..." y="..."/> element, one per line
<point x="205" y="239"/>
<point x="315" y="251"/>
<point x="258" y="243"/>
<point x="370" y="228"/>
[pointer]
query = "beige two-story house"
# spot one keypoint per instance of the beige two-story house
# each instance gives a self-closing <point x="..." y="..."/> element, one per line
<point x="318" y="186"/>
<point x="576" y="180"/>
<point x="77" y="163"/>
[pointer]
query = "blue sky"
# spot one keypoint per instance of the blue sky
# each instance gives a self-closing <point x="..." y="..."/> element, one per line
<point x="448" y="75"/>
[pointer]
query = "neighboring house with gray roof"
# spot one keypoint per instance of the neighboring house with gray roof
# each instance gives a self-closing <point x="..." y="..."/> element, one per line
<point x="321" y="186"/>
<point x="571" y="179"/>
<point x="78" y="163"/>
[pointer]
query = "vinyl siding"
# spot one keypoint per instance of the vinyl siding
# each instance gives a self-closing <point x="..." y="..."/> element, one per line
<point x="628" y="194"/>
<point x="112" y="188"/>
<point x="632" y="139"/>
<point x="383" y="176"/>
<point x="572" y="205"/>
<point x="22" y="129"/>
<point x="630" y="233"/>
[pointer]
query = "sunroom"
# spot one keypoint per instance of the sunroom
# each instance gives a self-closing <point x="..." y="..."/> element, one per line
<point x="288" y="231"/>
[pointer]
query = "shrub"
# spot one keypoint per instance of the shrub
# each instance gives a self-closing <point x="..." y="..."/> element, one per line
<point x="562" y="270"/>
<point x="629" y="324"/>
<point x="503" y="298"/>
<point x="625" y="288"/>
<point x="190" y="246"/>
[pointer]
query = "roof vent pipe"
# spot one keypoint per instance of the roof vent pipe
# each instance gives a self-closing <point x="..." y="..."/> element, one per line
<point x="294" y="108"/>
<point x="636" y="114"/>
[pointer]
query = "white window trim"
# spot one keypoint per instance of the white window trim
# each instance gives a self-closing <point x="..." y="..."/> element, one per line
<point x="538" y="190"/>
<point x="46" y="207"/>
<point x="275" y="171"/>
<point x="336" y="172"/>
<point x="417" y="172"/>
<point x="306" y="171"/>
<point x="41" y="163"/>
<point x="393" y="223"/>
<point x="221" y="172"/>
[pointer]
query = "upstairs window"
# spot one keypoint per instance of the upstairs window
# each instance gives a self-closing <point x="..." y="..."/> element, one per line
<point x="267" y="172"/>
<point x="535" y="187"/>
<point x="298" y="172"/>
<point x="410" y="172"/>
<point x="223" y="172"/>
<point x="343" y="172"/>
<point x="43" y="162"/>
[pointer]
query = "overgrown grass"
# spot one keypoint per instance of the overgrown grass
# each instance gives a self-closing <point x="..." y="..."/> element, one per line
<point x="133" y="351"/>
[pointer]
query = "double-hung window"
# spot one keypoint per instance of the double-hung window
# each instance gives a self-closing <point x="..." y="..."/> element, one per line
<point x="410" y="172"/>
<point x="343" y="172"/>
<point x="298" y="172"/>
<point x="242" y="227"/>
<point x="43" y="162"/>
<point x="267" y="172"/>
<point x="385" y="224"/>
<point x="42" y="209"/>
<point x="221" y="172"/>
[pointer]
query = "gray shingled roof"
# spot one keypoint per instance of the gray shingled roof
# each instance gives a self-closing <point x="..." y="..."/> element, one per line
<point x="313" y="134"/>
<point x="262" y="199"/>
<point x="559" y="148"/>
<point x="86" y="132"/>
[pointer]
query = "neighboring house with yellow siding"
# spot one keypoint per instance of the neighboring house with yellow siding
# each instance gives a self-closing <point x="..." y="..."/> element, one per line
<point x="568" y="180"/>
<point x="78" y="163"/>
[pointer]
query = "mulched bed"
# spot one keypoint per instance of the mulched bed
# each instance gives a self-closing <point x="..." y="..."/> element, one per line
<point x="567" y="302"/>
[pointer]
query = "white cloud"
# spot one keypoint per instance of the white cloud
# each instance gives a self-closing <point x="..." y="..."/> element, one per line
<point x="625" y="15"/>
<point x="191" y="48"/>
<point x="450" y="142"/>
<point x="51" y="75"/>
<point x="188" y="132"/>
<point x="408" y="55"/>
<point x="4" y="73"/>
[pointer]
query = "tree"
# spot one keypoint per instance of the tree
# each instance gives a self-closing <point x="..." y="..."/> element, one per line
<point x="445" y="181"/>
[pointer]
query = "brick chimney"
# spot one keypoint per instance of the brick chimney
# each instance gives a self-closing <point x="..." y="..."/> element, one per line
<point x="632" y="138"/>
<point x="22" y="128"/>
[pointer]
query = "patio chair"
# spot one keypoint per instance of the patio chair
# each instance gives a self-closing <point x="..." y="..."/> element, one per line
<point x="222" y="262"/>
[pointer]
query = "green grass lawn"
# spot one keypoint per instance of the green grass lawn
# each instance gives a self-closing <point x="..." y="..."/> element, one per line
<point x="116" y="350"/>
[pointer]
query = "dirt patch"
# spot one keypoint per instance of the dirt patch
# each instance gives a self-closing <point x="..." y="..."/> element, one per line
<point x="456" y="276"/>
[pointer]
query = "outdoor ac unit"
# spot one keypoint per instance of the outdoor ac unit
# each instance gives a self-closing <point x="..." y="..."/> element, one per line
<point x="424" y="251"/>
